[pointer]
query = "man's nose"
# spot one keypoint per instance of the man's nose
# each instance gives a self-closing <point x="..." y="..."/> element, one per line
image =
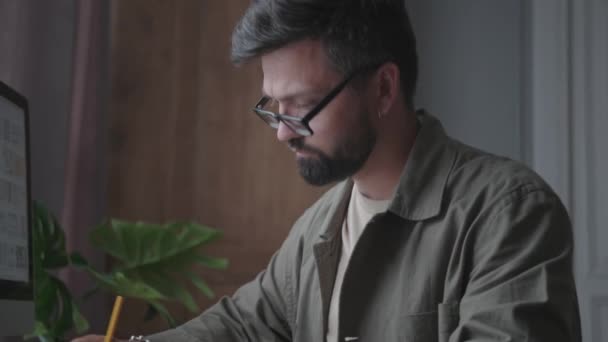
<point x="285" y="133"/>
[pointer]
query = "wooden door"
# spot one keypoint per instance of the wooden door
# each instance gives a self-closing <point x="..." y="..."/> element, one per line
<point x="185" y="145"/>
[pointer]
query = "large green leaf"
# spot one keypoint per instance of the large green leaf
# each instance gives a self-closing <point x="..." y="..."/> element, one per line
<point x="75" y="259"/>
<point x="200" y="284"/>
<point x="139" y="243"/>
<point x="81" y="324"/>
<point x="121" y="285"/>
<point x="152" y="258"/>
<point x="64" y="319"/>
<point x="166" y="284"/>
<point x="217" y="263"/>
<point x="49" y="239"/>
<point x="56" y="312"/>
<point x="40" y="330"/>
<point x="45" y="296"/>
<point x="151" y="261"/>
<point x="162" y="310"/>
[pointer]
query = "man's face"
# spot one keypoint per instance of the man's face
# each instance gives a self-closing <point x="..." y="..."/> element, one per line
<point x="298" y="76"/>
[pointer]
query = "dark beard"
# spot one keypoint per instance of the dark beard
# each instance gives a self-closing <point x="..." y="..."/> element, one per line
<point x="347" y="159"/>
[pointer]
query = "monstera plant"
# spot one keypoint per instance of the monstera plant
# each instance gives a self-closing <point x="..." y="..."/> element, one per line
<point x="56" y="311"/>
<point x="151" y="262"/>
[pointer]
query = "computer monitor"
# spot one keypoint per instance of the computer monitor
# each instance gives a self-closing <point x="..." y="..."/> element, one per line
<point x="16" y="278"/>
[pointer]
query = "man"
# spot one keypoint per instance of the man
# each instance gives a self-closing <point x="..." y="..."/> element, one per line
<point x="423" y="238"/>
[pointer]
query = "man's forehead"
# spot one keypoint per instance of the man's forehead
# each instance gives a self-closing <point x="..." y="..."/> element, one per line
<point x="301" y="51"/>
<point x="297" y="68"/>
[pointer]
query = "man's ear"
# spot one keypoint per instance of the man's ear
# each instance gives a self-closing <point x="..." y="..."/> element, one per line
<point x="387" y="85"/>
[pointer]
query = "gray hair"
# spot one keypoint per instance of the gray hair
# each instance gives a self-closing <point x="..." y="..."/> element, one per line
<point x="354" y="33"/>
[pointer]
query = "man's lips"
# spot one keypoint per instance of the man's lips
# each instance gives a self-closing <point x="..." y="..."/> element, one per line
<point x="301" y="152"/>
<point x="298" y="151"/>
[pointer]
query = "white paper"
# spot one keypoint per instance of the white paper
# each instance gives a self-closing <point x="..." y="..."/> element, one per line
<point x="14" y="255"/>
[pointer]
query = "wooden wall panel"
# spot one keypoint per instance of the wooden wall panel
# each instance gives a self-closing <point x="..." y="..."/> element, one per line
<point x="184" y="144"/>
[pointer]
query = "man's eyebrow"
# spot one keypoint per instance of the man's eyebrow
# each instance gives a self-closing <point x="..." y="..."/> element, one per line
<point x="300" y="93"/>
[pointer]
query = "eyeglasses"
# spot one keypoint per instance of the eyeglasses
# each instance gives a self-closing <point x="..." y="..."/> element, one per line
<point x="296" y="123"/>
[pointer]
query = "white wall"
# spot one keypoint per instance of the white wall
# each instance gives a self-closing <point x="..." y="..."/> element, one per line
<point x="587" y="119"/>
<point x="471" y="69"/>
<point x="36" y="42"/>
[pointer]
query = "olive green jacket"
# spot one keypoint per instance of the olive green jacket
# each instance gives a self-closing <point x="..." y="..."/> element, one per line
<point x="473" y="247"/>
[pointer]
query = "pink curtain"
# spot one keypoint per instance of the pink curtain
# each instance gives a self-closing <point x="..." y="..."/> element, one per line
<point x="84" y="195"/>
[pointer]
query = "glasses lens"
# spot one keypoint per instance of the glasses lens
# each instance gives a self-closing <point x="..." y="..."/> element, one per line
<point x="297" y="126"/>
<point x="269" y="113"/>
<point x="272" y="106"/>
<point x="268" y="118"/>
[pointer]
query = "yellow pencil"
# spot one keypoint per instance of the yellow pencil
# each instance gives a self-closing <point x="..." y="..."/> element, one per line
<point x="113" y="319"/>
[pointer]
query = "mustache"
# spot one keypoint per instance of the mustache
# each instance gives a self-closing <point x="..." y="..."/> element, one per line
<point x="297" y="144"/>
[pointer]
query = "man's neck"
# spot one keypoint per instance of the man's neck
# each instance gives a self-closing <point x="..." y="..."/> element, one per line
<point x="380" y="175"/>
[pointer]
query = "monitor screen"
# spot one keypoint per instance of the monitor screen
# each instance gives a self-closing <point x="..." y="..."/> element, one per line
<point x="16" y="285"/>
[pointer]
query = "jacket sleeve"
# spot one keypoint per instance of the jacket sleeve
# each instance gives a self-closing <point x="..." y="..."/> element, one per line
<point x="261" y="310"/>
<point x="521" y="285"/>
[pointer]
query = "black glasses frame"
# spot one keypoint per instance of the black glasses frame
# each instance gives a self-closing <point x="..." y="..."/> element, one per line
<point x="300" y="124"/>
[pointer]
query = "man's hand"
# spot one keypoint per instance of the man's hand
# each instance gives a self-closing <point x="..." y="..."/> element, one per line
<point x="94" y="338"/>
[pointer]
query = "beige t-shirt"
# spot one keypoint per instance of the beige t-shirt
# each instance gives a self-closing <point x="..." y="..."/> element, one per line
<point x="360" y="210"/>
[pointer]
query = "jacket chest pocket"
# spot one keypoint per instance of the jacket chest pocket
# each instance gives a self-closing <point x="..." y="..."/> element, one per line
<point x="432" y="326"/>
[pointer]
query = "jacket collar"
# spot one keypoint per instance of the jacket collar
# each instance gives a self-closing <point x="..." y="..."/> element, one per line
<point x="419" y="193"/>
<point x="337" y="210"/>
<point x="422" y="184"/>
